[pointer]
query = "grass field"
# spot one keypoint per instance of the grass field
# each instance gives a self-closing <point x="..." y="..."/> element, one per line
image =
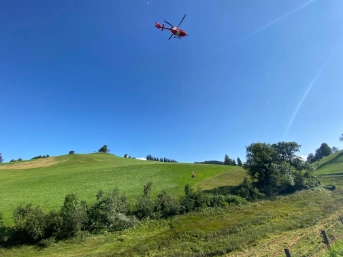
<point x="46" y="182"/>
<point x="262" y="228"/>
<point x="332" y="164"/>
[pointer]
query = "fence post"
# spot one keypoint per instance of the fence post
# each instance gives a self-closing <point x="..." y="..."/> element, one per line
<point x="326" y="240"/>
<point x="340" y="217"/>
<point x="288" y="254"/>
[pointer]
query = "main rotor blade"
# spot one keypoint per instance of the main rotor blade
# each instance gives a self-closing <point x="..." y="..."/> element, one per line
<point x="181" y="20"/>
<point x="168" y="23"/>
<point x="171" y="36"/>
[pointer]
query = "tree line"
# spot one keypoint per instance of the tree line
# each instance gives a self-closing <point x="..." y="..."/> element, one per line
<point x="227" y="161"/>
<point x="323" y="151"/>
<point x="149" y="157"/>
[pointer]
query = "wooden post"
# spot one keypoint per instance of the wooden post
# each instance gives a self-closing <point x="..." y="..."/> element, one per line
<point x="340" y="217"/>
<point x="288" y="254"/>
<point x="326" y="240"/>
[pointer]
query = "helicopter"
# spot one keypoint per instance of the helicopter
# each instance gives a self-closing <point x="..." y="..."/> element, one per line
<point x="176" y="31"/>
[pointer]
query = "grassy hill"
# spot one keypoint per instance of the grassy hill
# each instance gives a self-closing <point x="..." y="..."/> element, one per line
<point x="47" y="181"/>
<point x="332" y="164"/>
<point x="262" y="228"/>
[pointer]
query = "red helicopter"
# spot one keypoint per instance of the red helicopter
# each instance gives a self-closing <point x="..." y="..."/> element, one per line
<point x="176" y="31"/>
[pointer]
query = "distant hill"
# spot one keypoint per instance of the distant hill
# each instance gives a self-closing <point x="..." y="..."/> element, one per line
<point x="332" y="164"/>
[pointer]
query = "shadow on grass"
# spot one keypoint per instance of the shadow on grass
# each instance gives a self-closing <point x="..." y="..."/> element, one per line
<point x="223" y="190"/>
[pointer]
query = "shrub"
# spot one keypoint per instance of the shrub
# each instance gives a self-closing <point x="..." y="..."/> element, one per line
<point x="35" y="224"/>
<point x="167" y="205"/>
<point x="109" y="212"/>
<point x="74" y="215"/>
<point x="3" y="230"/>
<point x="54" y="223"/>
<point x="30" y="224"/>
<point x="145" y="206"/>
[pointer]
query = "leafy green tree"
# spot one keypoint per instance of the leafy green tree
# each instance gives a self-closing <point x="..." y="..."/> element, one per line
<point x="72" y="152"/>
<point x="12" y="160"/>
<point x="104" y="149"/>
<point x="310" y="158"/>
<point x="341" y="138"/>
<point x="322" y="151"/>
<point x="239" y="162"/>
<point x="125" y="155"/>
<point x="20" y="159"/>
<point x="1" y="159"/>
<point x="275" y="168"/>
<point x="334" y="149"/>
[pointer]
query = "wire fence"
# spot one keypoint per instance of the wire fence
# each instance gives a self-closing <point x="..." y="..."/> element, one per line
<point x="320" y="242"/>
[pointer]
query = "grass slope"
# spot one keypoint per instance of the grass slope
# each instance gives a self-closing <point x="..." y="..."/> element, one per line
<point x="332" y="164"/>
<point x="259" y="229"/>
<point x="46" y="182"/>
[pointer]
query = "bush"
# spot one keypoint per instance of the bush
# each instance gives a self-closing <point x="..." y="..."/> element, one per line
<point x="74" y="215"/>
<point x="247" y="190"/>
<point x="35" y="224"/>
<point x="109" y="212"/>
<point x="3" y="230"/>
<point x="330" y="187"/>
<point x="54" y="223"/>
<point x="30" y="224"/>
<point x="167" y="205"/>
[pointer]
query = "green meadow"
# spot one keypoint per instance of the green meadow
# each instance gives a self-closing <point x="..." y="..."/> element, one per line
<point x="262" y="228"/>
<point x="45" y="182"/>
<point x="332" y="164"/>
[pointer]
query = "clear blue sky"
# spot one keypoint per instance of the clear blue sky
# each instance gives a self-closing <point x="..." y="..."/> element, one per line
<point x="75" y="75"/>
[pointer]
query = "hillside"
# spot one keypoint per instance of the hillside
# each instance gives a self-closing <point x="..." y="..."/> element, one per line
<point x="332" y="164"/>
<point x="47" y="181"/>
<point x="262" y="228"/>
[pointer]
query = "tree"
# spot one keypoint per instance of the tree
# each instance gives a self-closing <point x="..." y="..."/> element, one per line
<point x="227" y="160"/>
<point x="71" y="152"/>
<point x="341" y="138"/>
<point x="239" y="162"/>
<point x="233" y="162"/>
<point x="322" y="151"/>
<point x="20" y="159"/>
<point x="275" y="168"/>
<point x="334" y="149"/>
<point x="125" y="155"/>
<point x="1" y="159"/>
<point x="310" y="158"/>
<point x="104" y="149"/>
